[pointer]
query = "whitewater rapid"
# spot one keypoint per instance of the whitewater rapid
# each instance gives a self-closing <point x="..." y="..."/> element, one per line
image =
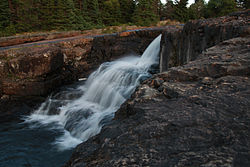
<point x="80" y="113"/>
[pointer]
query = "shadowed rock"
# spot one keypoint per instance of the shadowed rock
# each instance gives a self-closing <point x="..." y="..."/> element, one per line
<point x="200" y="119"/>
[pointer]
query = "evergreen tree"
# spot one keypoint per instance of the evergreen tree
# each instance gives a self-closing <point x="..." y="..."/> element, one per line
<point x="244" y="4"/>
<point x="4" y="14"/>
<point x="63" y="15"/>
<point x="24" y="16"/>
<point x="145" y="13"/>
<point x="6" y="26"/>
<point x="180" y="11"/>
<point x="127" y="8"/>
<point x="169" y="10"/>
<point x="111" y="14"/>
<point x="196" y="10"/>
<point x="91" y="12"/>
<point x="217" y="8"/>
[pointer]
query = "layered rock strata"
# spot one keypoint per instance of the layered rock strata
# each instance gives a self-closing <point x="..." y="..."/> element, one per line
<point x="37" y="69"/>
<point x="193" y="115"/>
<point x="183" y="45"/>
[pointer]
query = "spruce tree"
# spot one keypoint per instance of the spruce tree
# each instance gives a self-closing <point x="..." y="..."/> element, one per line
<point x="4" y="14"/>
<point x="244" y="4"/>
<point x="168" y="11"/>
<point x="6" y="25"/>
<point x="145" y="13"/>
<point x="111" y="14"/>
<point x="217" y="8"/>
<point x="181" y="11"/>
<point x="197" y="10"/>
<point x="91" y="12"/>
<point x="127" y="8"/>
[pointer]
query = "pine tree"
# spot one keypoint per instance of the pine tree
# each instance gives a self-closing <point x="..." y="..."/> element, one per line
<point x="4" y="14"/>
<point x="127" y="8"/>
<point x="91" y="12"/>
<point x="181" y="11"/>
<point x="6" y="26"/>
<point x="145" y="13"/>
<point x="24" y="16"/>
<point x="244" y="4"/>
<point x="197" y="10"/>
<point x="111" y="14"/>
<point x="168" y="11"/>
<point x="217" y="8"/>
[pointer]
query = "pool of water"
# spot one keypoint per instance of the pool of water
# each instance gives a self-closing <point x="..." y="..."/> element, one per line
<point x="22" y="146"/>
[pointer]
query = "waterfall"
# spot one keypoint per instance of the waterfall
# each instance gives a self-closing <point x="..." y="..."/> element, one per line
<point x="81" y="112"/>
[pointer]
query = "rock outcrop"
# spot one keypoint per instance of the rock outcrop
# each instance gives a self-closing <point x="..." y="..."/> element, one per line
<point x="183" y="45"/>
<point x="39" y="68"/>
<point x="193" y="115"/>
<point x="21" y="39"/>
<point x="84" y="55"/>
<point x="31" y="71"/>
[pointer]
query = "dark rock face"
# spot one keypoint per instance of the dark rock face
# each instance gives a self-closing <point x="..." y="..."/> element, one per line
<point x="194" y="115"/>
<point x="183" y="45"/>
<point x="38" y="70"/>
<point x="83" y="55"/>
<point x="12" y="109"/>
<point x="30" y="72"/>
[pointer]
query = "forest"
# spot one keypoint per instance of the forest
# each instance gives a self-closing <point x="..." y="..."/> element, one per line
<point x="17" y="16"/>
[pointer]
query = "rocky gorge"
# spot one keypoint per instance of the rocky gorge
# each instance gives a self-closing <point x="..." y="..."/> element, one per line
<point x="194" y="113"/>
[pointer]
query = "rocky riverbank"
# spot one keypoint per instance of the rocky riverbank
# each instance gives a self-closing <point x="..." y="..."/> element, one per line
<point x="194" y="115"/>
<point x="191" y="115"/>
<point x="197" y="114"/>
<point x="37" y="69"/>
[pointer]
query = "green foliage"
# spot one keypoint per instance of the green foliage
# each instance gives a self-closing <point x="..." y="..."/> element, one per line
<point x="91" y="12"/>
<point x="44" y="15"/>
<point x="181" y="11"/>
<point x="6" y="27"/>
<point x="127" y="8"/>
<point x="197" y="10"/>
<point x="244" y="4"/>
<point x="217" y="8"/>
<point x="111" y="13"/>
<point x="4" y="14"/>
<point x="168" y="10"/>
<point x="145" y="13"/>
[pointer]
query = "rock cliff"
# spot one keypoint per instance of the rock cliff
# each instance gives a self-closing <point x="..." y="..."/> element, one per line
<point x="192" y="115"/>
<point x="36" y="69"/>
<point x="183" y="45"/>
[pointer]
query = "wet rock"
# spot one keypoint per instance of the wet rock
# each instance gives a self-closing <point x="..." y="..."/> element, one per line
<point x="37" y="70"/>
<point x="183" y="45"/>
<point x="12" y="108"/>
<point x="201" y="119"/>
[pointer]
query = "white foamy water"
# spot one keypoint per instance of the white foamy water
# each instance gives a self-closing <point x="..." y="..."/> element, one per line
<point x="80" y="113"/>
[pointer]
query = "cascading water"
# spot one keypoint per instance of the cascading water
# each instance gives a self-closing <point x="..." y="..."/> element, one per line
<point x="80" y="113"/>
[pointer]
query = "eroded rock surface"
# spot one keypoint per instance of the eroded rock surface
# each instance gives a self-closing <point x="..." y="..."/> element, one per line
<point x="30" y="71"/>
<point x="194" y="115"/>
<point x="183" y="45"/>
<point x="39" y="68"/>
